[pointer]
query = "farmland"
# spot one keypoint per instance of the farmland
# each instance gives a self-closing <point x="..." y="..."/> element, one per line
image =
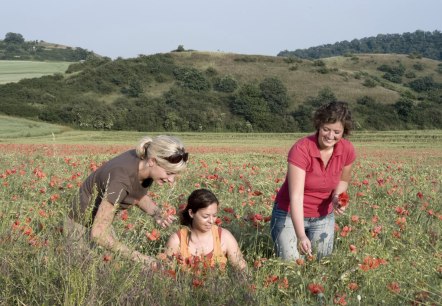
<point x="387" y="246"/>
<point x="14" y="71"/>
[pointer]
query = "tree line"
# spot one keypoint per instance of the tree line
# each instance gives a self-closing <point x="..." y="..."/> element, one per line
<point x="420" y="43"/>
<point x="14" y="47"/>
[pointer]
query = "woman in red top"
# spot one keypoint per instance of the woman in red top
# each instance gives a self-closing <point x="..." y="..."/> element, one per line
<point x="319" y="169"/>
<point x="200" y="240"/>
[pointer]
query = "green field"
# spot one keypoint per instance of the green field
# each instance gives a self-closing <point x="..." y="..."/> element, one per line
<point x="14" y="71"/>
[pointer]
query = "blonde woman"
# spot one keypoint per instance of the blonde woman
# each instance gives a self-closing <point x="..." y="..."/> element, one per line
<point x="121" y="183"/>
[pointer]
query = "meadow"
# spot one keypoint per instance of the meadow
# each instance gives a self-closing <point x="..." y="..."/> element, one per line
<point x="387" y="251"/>
<point x="14" y="71"/>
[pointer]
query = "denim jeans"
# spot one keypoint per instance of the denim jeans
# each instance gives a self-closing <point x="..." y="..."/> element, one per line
<point x="319" y="230"/>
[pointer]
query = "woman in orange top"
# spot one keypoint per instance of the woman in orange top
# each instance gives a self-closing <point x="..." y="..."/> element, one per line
<point x="200" y="240"/>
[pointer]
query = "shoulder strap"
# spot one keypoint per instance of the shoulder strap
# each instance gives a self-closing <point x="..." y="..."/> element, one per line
<point x="217" y="250"/>
<point x="184" y="243"/>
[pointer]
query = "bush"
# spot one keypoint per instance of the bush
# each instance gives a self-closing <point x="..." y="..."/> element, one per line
<point x="225" y="84"/>
<point x="191" y="78"/>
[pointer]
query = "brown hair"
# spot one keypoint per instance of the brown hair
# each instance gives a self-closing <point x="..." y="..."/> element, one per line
<point x="198" y="199"/>
<point x="333" y="112"/>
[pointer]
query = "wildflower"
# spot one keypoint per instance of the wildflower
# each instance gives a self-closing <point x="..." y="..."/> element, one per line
<point x="196" y="282"/>
<point x="353" y="248"/>
<point x="353" y="286"/>
<point x="315" y="288"/>
<point x="154" y="235"/>
<point x="270" y="280"/>
<point x="124" y="215"/>
<point x="345" y="230"/>
<point x="284" y="283"/>
<point x="340" y="299"/>
<point x="343" y="199"/>
<point x="300" y="261"/>
<point x="107" y="258"/>
<point x="394" y="287"/>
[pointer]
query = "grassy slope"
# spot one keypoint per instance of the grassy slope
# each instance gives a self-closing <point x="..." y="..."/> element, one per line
<point x="302" y="79"/>
<point x="12" y="128"/>
<point x="14" y="71"/>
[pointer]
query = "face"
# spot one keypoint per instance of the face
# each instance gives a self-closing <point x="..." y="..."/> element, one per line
<point x="330" y="134"/>
<point x="204" y="218"/>
<point x="160" y="176"/>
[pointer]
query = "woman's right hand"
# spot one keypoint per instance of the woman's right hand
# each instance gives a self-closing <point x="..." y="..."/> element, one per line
<point x="305" y="245"/>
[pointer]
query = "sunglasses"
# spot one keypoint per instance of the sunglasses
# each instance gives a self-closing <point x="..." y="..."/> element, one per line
<point x="177" y="157"/>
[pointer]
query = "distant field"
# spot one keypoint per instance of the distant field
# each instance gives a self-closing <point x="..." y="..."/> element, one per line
<point x="14" y="71"/>
<point x="17" y="130"/>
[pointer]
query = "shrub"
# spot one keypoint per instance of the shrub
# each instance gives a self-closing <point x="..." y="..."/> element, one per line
<point x="225" y="84"/>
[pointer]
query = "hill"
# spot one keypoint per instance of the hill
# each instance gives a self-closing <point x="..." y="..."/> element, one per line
<point x="223" y="92"/>
<point x="420" y="43"/>
<point x="14" y="47"/>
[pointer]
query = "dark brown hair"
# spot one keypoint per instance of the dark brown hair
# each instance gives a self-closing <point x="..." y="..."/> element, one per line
<point x="336" y="111"/>
<point x="198" y="199"/>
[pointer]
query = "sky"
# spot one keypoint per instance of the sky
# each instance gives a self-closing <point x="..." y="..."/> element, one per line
<point x="133" y="27"/>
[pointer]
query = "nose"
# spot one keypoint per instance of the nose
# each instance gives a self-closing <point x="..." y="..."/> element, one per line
<point x="211" y="220"/>
<point x="171" y="178"/>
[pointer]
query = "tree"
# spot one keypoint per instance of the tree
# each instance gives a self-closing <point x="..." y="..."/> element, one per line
<point x="275" y="94"/>
<point x="14" y="38"/>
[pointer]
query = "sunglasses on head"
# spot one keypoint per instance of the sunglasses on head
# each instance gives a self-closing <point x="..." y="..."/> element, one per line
<point x="177" y="157"/>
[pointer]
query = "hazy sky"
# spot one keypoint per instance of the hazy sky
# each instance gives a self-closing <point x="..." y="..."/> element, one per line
<point x="128" y="28"/>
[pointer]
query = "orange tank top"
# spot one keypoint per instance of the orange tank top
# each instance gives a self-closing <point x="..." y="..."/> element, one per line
<point x="215" y="257"/>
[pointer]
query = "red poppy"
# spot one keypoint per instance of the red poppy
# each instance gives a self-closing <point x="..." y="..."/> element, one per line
<point x="394" y="287"/>
<point x="154" y="235"/>
<point x="353" y="286"/>
<point x="315" y="288"/>
<point x="343" y="199"/>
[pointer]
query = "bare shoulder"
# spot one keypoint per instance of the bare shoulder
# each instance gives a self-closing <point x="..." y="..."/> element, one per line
<point x="227" y="236"/>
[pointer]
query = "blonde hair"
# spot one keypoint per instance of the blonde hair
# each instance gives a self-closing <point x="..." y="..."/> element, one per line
<point x="161" y="147"/>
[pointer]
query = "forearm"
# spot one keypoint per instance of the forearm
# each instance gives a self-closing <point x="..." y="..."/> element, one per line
<point x="297" y="216"/>
<point x="114" y="245"/>
<point x="342" y="187"/>
<point x="149" y="206"/>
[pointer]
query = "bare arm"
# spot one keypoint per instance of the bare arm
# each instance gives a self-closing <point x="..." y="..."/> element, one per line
<point x="233" y="251"/>
<point x="147" y="205"/>
<point x="102" y="235"/>
<point x="173" y="245"/>
<point x="342" y="186"/>
<point x="296" y="183"/>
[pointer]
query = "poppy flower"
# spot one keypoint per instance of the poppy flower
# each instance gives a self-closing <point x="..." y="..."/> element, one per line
<point x="154" y="235"/>
<point x="315" y="288"/>
<point x="343" y="199"/>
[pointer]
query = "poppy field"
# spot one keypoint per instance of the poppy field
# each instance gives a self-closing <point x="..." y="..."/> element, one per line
<point x="387" y="251"/>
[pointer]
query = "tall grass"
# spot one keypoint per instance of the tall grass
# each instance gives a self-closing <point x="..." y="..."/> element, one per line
<point x="387" y="247"/>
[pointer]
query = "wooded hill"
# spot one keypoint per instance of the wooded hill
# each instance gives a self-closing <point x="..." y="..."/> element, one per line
<point x="14" y="47"/>
<point x="426" y="44"/>
<point x="203" y="91"/>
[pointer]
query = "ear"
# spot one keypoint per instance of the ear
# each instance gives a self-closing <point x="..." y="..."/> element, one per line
<point x="190" y="213"/>
<point x="151" y="162"/>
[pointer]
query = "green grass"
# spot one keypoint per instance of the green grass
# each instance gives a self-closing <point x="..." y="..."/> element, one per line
<point x="394" y="189"/>
<point x="18" y="128"/>
<point x="14" y="71"/>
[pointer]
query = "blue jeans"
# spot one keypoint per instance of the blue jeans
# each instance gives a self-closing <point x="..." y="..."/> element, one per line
<point x="319" y="230"/>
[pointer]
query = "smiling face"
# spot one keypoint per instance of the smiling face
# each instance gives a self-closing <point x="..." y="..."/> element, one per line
<point x="204" y="218"/>
<point x="151" y="169"/>
<point x="329" y="134"/>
